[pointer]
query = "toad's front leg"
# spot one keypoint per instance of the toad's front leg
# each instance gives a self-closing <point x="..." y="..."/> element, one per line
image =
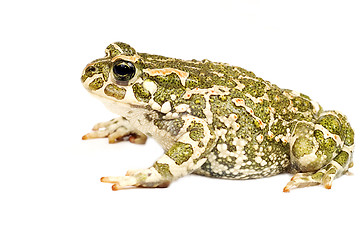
<point x="115" y="130"/>
<point x="186" y="155"/>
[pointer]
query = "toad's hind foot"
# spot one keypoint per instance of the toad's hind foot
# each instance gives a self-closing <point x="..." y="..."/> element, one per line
<point x="301" y="180"/>
<point x="324" y="176"/>
<point x="116" y="130"/>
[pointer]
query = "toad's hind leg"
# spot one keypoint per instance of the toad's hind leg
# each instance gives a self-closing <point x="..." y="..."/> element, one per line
<point x="324" y="176"/>
<point x="321" y="151"/>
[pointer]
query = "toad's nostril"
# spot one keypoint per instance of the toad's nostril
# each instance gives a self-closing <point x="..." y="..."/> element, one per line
<point x="91" y="69"/>
<point x="88" y="72"/>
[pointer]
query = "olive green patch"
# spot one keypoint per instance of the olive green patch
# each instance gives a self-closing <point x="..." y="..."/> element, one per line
<point x="331" y="123"/>
<point x="89" y="72"/>
<point x="103" y="68"/>
<point x="97" y="68"/>
<point x="332" y="170"/>
<point x="166" y="87"/>
<point x="302" y="104"/>
<point x="319" y="136"/>
<point x="255" y="88"/>
<point x="302" y="146"/>
<point x="140" y="93"/>
<point x="83" y="78"/>
<point x="168" y="81"/>
<point x="96" y="84"/>
<point x="318" y="176"/>
<point x="196" y="104"/>
<point x="125" y="49"/>
<point x="279" y="101"/>
<point x="180" y="152"/>
<point x="113" y="90"/>
<point x="196" y="131"/>
<point x="329" y="145"/>
<point x="163" y="95"/>
<point x="192" y="82"/>
<point x="349" y="135"/>
<point x="113" y="51"/>
<point x="163" y="169"/>
<point x="342" y="158"/>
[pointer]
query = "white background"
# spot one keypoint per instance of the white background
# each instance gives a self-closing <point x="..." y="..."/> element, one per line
<point x="49" y="178"/>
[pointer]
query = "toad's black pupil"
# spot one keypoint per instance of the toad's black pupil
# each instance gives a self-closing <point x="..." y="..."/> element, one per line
<point x="122" y="69"/>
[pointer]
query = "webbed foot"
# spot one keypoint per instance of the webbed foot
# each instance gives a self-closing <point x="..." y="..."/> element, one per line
<point x="116" y="130"/>
<point x="301" y="180"/>
<point x="148" y="178"/>
<point x="324" y="176"/>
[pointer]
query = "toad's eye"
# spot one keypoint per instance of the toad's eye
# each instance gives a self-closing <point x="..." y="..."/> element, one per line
<point x="123" y="71"/>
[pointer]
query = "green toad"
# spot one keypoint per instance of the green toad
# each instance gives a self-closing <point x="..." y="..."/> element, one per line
<point x="215" y="120"/>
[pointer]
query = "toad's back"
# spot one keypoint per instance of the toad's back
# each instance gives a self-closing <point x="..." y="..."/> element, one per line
<point x="251" y="118"/>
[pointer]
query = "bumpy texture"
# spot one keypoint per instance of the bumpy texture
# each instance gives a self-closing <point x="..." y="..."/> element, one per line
<point x="216" y="120"/>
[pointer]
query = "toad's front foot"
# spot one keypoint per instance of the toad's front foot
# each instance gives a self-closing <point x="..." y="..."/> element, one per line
<point x="148" y="178"/>
<point x="116" y="130"/>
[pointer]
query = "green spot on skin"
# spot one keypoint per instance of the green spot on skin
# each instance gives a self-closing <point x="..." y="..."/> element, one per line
<point x="196" y="131"/>
<point x="349" y="135"/>
<point x="222" y="98"/>
<point x="83" y="78"/>
<point x="140" y="93"/>
<point x="192" y="82"/>
<point x="329" y="145"/>
<point x="302" y="104"/>
<point x="96" y="68"/>
<point x="302" y="147"/>
<point x="163" y="169"/>
<point x="96" y="84"/>
<point x="332" y="170"/>
<point x="319" y="136"/>
<point x="125" y="49"/>
<point x="255" y="88"/>
<point x="180" y="152"/>
<point x="113" y="51"/>
<point x="331" y="123"/>
<point x="318" y="176"/>
<point x="342" y="158"/>
<point x="170" y="81"/>
<point x="115" y="91"/>
<point x="196" y="104"/>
